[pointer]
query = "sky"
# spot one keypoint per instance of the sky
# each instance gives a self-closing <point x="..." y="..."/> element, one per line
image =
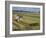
<point x="30" y="9"/>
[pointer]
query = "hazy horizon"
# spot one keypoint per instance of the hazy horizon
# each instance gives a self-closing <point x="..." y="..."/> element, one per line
<point x="30" y="9"/>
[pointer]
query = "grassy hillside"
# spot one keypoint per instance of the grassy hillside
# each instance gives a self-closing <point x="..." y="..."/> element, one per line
<point x="31" y="21"/>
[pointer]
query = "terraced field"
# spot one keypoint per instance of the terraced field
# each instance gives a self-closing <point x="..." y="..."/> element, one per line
<point x="31" y="21"/>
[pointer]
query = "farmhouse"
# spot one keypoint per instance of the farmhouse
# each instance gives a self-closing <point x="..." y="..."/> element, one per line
<point x="18" y="18"/>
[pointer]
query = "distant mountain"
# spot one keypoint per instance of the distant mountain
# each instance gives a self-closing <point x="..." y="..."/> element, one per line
<point x="26" y="9"/>
<point x="18" y="11"/>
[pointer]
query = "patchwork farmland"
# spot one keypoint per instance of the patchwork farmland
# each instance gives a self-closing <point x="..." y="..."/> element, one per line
<point x="30" y="21"/>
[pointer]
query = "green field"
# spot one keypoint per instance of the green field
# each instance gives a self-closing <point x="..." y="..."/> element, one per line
<point x="31" y="21"/>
